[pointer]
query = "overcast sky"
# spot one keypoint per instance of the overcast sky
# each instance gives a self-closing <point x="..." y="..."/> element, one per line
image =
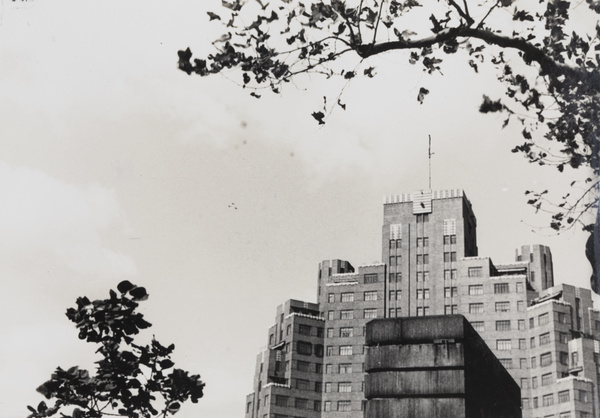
<point x="115" y="165"/>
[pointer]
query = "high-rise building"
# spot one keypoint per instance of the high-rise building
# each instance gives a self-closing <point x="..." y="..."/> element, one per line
<point x="546" y="336"/>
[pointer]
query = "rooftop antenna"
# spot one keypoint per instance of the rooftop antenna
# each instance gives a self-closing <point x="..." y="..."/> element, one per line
<point x="429" y="155"/>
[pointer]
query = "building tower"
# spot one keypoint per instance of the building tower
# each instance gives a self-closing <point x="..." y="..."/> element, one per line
<point x="424" y="235"/>
<point x="547" y="337"/>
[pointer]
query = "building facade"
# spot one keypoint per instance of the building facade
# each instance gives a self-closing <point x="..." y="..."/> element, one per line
<point x="546" y="336"/>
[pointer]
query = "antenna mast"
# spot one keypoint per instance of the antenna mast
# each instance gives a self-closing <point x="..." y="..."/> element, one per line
<point x="429" y="155"/>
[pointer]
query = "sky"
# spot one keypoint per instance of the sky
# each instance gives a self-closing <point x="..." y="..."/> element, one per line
<point x="115" y="165"/>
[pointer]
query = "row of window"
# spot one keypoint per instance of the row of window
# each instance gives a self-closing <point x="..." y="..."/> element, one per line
<point x="368" y="313"/>
<point x="369" y="295"/>
<point x="343" y="368"/>
<point x="503" y="306"/>
<point x="342" y="350"/>
<point x="544" y="318"/>
<point x="423" y="241"/>
<point x="422" y="259"/>
<point x="344" y="332"/>
<point x="564" y="396"/>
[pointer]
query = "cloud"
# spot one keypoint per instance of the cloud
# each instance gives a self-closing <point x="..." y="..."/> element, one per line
<point x="47" y="222"/>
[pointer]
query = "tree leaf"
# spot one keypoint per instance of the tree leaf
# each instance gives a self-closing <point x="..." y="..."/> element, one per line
<point x="319" y="117"/>
<point x="125" y="286"/>
<point x="422" y="93"/>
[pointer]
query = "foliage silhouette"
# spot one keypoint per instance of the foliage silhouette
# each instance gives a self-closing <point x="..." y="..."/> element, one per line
<point x="137" y="381"/>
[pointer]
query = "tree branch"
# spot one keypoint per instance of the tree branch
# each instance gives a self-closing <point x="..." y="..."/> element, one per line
<point x="463" y="13"/>
<point x="531" y="52"/>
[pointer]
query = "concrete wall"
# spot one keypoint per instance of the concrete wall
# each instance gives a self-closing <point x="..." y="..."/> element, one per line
<point x="434" y="366"/>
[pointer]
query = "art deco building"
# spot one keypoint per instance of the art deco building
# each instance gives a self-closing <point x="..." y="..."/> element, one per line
<point x="546" y="336"/>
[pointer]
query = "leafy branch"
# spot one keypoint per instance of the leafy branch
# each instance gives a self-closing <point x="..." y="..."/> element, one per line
<point x="131" y="380"/>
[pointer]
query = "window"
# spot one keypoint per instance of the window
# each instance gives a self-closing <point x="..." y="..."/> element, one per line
<point x="317" y="405"/>
<point x="395" y="277"/>
<point x="521" y="324"/>
<point x="475" y="307"/>
<point x="348" y="297"/>
<point x="535" y="402"/>
<point x="318" y="369"/>
<point x="532" y="342"/>
<point x="474" y="271"/>
<point x="545" y="338"/>
<point x="319" y="350"/>
<point x="563" y="396"/>
<point x="345" y="368"/>
<point x="522" y="344"/>
<point x="370" y="313"/>
<point x="329" y="332"/>
<point x="327" y="406"/>
<point x="501" y="288"/>
<point x="347" y="314"/>
<point x="546" y="379"/>
<point x="281" y="400"/>
<point x="574" y="358"/>
<point x="450" y="309"/>
<point x="421" y="218"/>
<point x="344" y="387"/>
<point x="344" y="406"/>
<point x="476" y="289"/>
<point x="371" y="278"/>
<point x="329" y="350"/>
<point x="531" y="323"/>
<point x="582" y="396"/>
<point x="563" y="358"/>
<point x="345" y="350"/>
<point x="346" y="332"/>
<point x="543" y="319"/>
<point x="449" y="239"/>
<point x="423" y="311"/>
<point x="319" y="331"/>
<point x="329" y="367"/>
<point x="303" y="366"/>
<point x="502" y="306"/>
<point x="392" y="260"/>
<point x="395" y="294"/>
<point x="545" y="359"/>
<point x="519" y="287"/>
<point x="525" y="403"/>
<point x="533" y="362"/>
<point x="506" y="362"/>
<point x="302" y="384"/>
<point x="524" y="383"/>
<point x="327" y="387"/>
<point x="503" y="325"/>
<point x="523" y="363"/>
<point x="450" y="292"/>
<point x="449" y="256"/>
<point x="478" y="326"/>
<point x="422" y="293"/>
<point x="330" y="315"/>
<point x="395" y="313"/>
<point x="548" y="400"/>
<point x="503" y="345"/>
<point x="304" y="329"/>
<point x="304" y="348"/>
<point x="563" y="337"/>
<point x="561" y="317"/>
<point x="566" y="414"/>
<point x="534" y="383"/>
<point x="370" y="295"/>
<point x="520" y="306"/>
<point x="331" y="298"/>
